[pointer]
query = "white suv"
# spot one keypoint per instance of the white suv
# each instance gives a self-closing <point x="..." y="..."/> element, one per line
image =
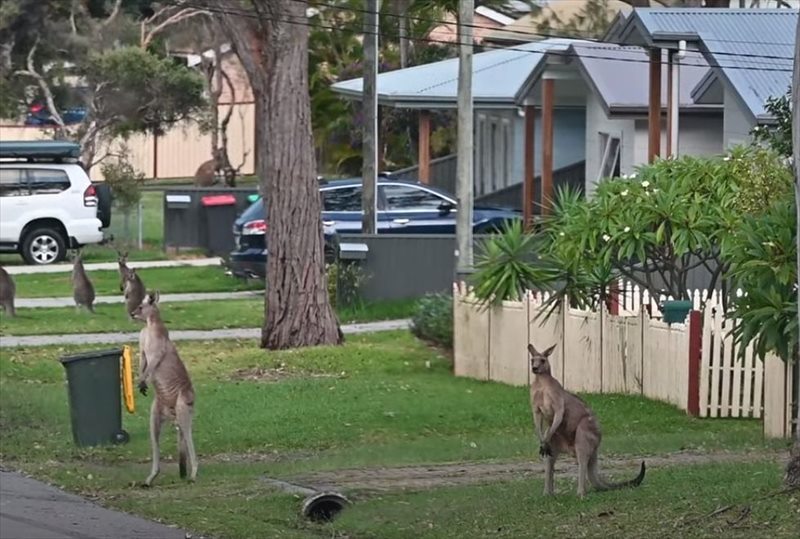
<point x="48" y="204"/>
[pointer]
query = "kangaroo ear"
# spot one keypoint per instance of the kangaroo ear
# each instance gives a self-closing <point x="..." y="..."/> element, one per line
<point x="549" y="351"/>
<point x="532" y="350"/>
<point x="156" y="297"/>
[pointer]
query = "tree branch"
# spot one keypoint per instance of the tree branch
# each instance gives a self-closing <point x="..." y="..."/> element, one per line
<point x="44" y="86"/>
<point x="114" y="13"/>
<point x="182" y="15"/>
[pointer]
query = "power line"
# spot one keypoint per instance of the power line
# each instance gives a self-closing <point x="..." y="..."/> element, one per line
<point x="304" y="22"/>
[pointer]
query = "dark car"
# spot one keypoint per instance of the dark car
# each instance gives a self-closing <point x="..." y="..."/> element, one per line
<point x="249" y="258"/>
<point x="39" y="114"/>
<point x="403" y="208"/>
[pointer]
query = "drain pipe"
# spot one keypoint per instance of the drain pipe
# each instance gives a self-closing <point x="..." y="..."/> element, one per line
<point x="318" y="506"/>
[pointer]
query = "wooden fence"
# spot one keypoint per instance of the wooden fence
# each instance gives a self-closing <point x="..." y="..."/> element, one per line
<point x="175" y="154"/>
<point x="692" y="366"/>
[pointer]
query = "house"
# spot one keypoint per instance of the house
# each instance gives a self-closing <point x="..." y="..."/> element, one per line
<point x="497" y="86"/>
<point x="750" y="52"/>
<point x="485" y="20"/>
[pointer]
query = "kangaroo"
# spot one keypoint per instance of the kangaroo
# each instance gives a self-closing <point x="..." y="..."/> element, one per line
<point x="205" y="176"/>
<point x="134" y="291"/>
<point x="571" y="427"/>
<point x="82" y="289"/>
<point x="160" y="365"/>
<point x="122" y="268"/>
<point x="7" y="291"/>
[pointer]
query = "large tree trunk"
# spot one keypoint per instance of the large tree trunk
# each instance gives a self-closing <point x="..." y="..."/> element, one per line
<point x="274" y="52"/>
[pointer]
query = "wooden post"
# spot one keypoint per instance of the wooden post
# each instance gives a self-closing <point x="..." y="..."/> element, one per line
<point x="155" y="156"/>
<point x="369" y="195"/>
<point x="424" y="146"/>
<point x="654" y="116"/>
<point x="670" y="100"/>
<point x="695" y="354"/>
<point x="548" y="96"/>
<point x="530" y="173"/>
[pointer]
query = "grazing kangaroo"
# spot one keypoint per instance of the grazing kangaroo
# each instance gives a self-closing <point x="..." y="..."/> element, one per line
<point x="571" y="427"/>
<point x="122" y="268"/>
<point x="82" y="289"/>
<point x="134" y="291"/>
<point x="7" y="291"/>
<point x="160" y="365"/>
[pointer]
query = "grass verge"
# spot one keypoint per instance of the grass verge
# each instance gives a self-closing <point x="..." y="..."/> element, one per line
<point x="381" y="400"/>
<point x="208" y="315"/>
<point x="177" y="280"/>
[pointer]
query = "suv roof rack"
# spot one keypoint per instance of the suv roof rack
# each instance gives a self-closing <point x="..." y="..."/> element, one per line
<point x="40" y="149"/>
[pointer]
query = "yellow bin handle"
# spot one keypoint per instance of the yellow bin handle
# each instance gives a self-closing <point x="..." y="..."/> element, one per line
<point x="127" y="379"/>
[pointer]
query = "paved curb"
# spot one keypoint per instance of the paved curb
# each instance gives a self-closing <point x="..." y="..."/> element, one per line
<point x="11" y="341"/>
<point x="31" y="509"/>
<point x="38" y="303"/>
<point x="66" y="268"/>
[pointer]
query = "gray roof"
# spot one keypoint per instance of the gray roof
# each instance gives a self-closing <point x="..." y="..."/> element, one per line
<point x="752" y="49"/>
<point x="620" y="76"/>
<point x="498" y="77"/>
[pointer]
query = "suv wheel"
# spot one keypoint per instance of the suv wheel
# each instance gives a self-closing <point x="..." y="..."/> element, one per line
<point x="43" y="246"/>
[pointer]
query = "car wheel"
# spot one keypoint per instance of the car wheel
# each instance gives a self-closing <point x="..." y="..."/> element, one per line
<point x="42" y="246"/>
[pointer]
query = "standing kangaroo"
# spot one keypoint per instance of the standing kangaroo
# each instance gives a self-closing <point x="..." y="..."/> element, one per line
<point x="122" y="268"/>
<point x="134" y="291"/>
<point x="7" y="291"/>
<point x="82" y="289"/>
<point x="160" y="365"/>
<point x="571" y="427"/>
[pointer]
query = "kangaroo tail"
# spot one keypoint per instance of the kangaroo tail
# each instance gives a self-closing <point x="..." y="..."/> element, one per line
<point x="601" y="484"/>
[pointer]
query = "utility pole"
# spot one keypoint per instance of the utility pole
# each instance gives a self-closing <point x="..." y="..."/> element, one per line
<point x="796" y="163"/>
<point x="464" y="183"/>
<point x="369" y="199"/>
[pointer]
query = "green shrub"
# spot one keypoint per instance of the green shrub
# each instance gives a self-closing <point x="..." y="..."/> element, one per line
<point x="344" y="284"/>
<point x="433" y="319"/>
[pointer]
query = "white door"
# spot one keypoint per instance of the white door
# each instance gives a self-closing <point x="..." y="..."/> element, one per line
<point x="15" y="199"/>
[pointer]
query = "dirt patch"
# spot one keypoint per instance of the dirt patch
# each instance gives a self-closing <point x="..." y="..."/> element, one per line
<point x="467" y="473"/>
<point x="266" y="375"/>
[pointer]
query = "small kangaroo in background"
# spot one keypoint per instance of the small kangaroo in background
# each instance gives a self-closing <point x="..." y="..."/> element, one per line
<point x="565" y="424"/>
<point x="82" y="289"/>
<point x="7" y="291"/>
<point x="134" y="291"/>
<point x="160" y="365"/>
<point x="122" y="268"/>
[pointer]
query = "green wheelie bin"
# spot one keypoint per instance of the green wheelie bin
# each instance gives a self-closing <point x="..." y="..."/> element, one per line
<point x="95" y="397"/>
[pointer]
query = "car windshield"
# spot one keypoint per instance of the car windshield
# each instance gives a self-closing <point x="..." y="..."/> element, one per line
<point x="255" y="211"/>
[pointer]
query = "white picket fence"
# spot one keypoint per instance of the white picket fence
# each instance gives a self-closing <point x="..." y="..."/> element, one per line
<point x="598" y="352"/>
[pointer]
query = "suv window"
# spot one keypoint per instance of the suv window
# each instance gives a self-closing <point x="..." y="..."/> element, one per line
<point x="342" y="199"/>
<point x="407" y="197"/>
<point x="47" y="181"/>
<point x="13" y="182"/>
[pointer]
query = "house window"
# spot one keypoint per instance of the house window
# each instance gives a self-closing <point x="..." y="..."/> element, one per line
<point x="609" y="156"/>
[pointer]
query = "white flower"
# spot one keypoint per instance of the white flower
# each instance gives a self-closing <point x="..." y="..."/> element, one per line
<point x="645" y="184"/>
<point x="624" y="193"/>
<point x="655" y="190"/>
<point x="726" y="158"/>
<point x="561" y="234"/>
<point x="627" y="229"/>
<point x="606" y="237"/>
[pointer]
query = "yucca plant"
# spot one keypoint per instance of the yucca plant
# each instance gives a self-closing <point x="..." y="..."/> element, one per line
<point x="507" y="266"/>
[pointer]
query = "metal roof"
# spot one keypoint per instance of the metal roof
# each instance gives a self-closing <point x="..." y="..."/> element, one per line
<point x="752" y="49"/>
<point x="39" y="149"/>
<point x="620" y="76"/>
<point x="497" y="78"/>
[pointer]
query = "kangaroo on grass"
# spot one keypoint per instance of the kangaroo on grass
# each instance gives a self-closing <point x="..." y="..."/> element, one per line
<point x="160" y="365"/>
<point x="122" y="268"/>
<point x="565" y="424"/>
<point x="134" y="291"/>
<point x="82" y="289"/>
<point x="7" y="291"/>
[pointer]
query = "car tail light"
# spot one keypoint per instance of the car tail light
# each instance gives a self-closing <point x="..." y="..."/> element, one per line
<point x="90" y="196"/>
<point x="37" y="108"/>
<point x="254" y="228"/>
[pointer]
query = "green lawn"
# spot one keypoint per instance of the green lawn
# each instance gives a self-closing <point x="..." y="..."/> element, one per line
<point x="213" y="314"/>
<point x="182" y="279"/>
<point x="381" y="400"/>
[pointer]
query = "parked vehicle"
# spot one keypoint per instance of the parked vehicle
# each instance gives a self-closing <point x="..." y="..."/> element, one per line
<point x="48" y="204"/>
<point x="39" y="114"/>
<point x="403" y="208"/>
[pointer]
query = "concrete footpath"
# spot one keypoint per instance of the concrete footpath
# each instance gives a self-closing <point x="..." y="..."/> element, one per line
<point x="67" y="267"/>
<point x="30" y="509"/>
<point x="34" y="303"/>
<point x="9" y="341"/>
